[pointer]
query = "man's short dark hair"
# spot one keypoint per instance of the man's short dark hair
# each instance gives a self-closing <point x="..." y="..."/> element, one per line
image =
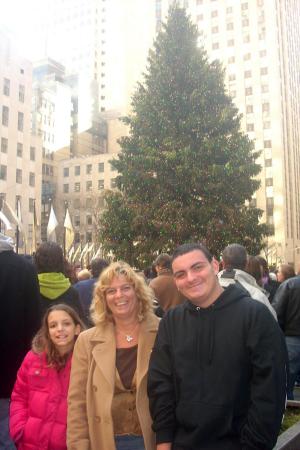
<point x="97" y="265"/>
<point x="190" y="247"/>
<point x="234" y="257"/>
<point x="163" y="260"/>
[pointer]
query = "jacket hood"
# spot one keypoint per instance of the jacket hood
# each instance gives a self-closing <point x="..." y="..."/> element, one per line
<point x="230" y="276"/>
<point x="53" y="284"/>
<point x="6" y="243"/>
<point x="207" y="320"/>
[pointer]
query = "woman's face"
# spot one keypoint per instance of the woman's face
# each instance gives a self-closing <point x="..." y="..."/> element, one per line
<point x="121" y="298"/>
<point x="280" y="276"/>
<point x="62" y="331"/>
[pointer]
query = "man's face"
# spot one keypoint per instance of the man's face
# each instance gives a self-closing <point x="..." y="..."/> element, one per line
<point x="196" y="279"/>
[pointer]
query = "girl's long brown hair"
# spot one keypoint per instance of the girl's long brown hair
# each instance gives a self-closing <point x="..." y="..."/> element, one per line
<point x="42" y="343"/>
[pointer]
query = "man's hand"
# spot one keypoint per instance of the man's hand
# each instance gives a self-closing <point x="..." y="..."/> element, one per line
<point x="165" y="446"/>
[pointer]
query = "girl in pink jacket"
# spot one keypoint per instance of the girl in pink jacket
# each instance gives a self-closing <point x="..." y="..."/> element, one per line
<point x="38" y="411"/>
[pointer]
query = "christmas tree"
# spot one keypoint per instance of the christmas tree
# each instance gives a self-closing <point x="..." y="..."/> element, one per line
<point x="186" y="170"/>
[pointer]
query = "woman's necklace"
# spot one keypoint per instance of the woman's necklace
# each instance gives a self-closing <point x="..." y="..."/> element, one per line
<point x="128" y="336"/>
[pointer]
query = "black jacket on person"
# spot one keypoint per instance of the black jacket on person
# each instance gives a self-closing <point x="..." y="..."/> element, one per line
<point x="217" y="376"/>
<point x="20" y="315"/>
<point x="287" y="306"/>
<point x="70" y="297"/>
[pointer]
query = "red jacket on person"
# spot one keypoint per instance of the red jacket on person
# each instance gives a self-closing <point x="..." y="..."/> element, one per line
<point x="38" y="411"/>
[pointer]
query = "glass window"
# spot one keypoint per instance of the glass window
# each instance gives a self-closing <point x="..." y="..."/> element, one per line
<point x="66" y="171"/>
<point x="229" y="26"/>
<point x="4" y="145"/>
<point x="89" y="169"/>
<point x="77" y="187"/>
<point x="250" y="126"/>
<point x="113" y="183"/>
<point x="231" y="59"/>
<point x="88" y="203"/>
<point x="249" y="91"/>
<point x="5" y="115"/>
<point x="231" y="77"/>
<point x="267" y="144"/>
<point x="214" y="13"/>
<point x="266" y="107"/>
<point x="269" y="181"/>
<point x="6" y="86"/>
<point x="20" y="121"/>
<point x="32" y="153"/>
<point x="31" y="205"/>
<point x="264" y="71"/>
<point x="247" y="56"/>
<point x="89" y="220"/>
<point x="19" y="149"/>
<point x="77" y="221"/>
<point x="31" y="179"/>
<point x="21" y="93"/>
<point x="244" y="6"/>
<point x="100" y="184"/>
<point x="268" y="162"/>
<point x="18" y="176"/>
<point x="215" y="45"/>
<point x="66" y="189"/>
<point x="77" y="170"/>
<point x="247" y="74"/>
<point x="89" y="185"/>
<point x="230" y="43"/>
<point x="76" y="203"/>
<point x="249" y="109"/>
<point x="3" y="172"/>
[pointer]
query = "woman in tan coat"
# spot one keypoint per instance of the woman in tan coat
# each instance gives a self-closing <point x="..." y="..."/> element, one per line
<point x="108" y="402"/>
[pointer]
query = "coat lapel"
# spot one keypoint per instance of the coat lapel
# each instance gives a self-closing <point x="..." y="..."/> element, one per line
<point x="104" y="352"/>
<point x="147" y="337"/>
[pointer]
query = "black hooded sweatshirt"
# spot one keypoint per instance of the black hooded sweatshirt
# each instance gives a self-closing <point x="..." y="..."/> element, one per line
<point x="217" y="376"/>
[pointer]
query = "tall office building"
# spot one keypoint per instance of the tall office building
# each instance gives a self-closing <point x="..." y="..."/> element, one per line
<point x="258" y="42"/>
<point x="20" y="151"/>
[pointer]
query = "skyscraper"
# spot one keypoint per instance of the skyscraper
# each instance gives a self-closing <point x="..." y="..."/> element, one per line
<point x="258" y="42"/>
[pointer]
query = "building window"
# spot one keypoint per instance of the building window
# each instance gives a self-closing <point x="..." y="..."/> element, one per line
<point x="77" y="187"/>
<point x="19" y="149"/>
<point x="249" y="91"/>
<point x="250" y="126"/>
<point x="32" y="153"/>
<point x="6" y="86"/>
<point x="244" y="6"/>
<point x="18" y="176"/>
<point x="89" y="169"/>
<point x="3" y="173"/>
<point x="215" y="45"/>
<point x="21" y="93"/>
<point x="31" y="205"/>
<point x="230" y="43"/>
<point x="249" y="109"/>
<point x="89" y="185"/>
<point x="31" y="179"/>
<point x="265" y="88"/>
<point x="66" y="189"/>
<point x="268" y="162"/>
<point x="247" y="74"/>
<point x="77" y="221"/>
<point x="77" y="238"/>
<point x="269" y="181"/>
<point x="5" y="115"/>
<point x="231" y="77"/>
<point x="4" y="145"/>
<point x="246" y="39"/>
<point x="266" y="125"/>
<point x="229" y="26"/>
<point x="245" y="22"/>
<point x="199" y="2"/>
<point x="76" y="203"/>
<point x="264" y="71"/>
<point x="267" y="144"/>
<point x="199" y="17"/>
<point x="88" y="236"/>
<point x="20" y="121"/>
<point x="231" y="59"/>
<point x="89" y="220"/>
<point x="113" y="183"/>
<point x="215" y="30"/>
<point x="266" y="107"/>
<point x="229" y="10"/>
<point x="77" y="170"/>
<point x="100" y="185"/>
<point x="263" y="53"/>
<point x="247" y="56"/>
<point x="66" y="171"/>
<point x="88" y="203"/>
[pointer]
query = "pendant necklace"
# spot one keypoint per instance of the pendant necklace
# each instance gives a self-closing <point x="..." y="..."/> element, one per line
<point x="128" y="336"/>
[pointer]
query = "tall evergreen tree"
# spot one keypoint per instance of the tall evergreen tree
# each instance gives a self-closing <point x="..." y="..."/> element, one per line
<point x="186" y="169"/>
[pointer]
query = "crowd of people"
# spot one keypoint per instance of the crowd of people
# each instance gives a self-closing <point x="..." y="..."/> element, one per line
<point x="195" y="353"/>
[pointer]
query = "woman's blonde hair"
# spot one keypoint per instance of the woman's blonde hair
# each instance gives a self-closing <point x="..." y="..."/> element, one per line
<point x="99" y="310"/>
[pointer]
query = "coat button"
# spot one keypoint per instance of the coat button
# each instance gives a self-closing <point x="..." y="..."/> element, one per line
<point x="95" y="389"/>
<point x="98" y="419"/>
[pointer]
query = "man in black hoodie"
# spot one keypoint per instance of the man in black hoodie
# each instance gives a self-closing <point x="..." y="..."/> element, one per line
<point x="217" y="373"/>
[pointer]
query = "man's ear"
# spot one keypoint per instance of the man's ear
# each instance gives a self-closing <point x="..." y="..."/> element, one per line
<point x="215" y="265"/>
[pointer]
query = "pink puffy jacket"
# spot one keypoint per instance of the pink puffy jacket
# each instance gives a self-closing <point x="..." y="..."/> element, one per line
<point x="38" y="411"/>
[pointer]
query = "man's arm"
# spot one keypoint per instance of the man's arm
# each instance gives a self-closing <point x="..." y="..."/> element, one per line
<point x="161" y="390"/>
<point x="280" y="303"/>
<point x="267" y="350"/>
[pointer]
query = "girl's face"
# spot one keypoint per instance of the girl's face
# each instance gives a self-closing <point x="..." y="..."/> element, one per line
<point x="62" y="331"/>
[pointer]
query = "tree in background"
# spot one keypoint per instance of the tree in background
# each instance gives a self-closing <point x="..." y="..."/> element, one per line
<point x="186" y="170"/>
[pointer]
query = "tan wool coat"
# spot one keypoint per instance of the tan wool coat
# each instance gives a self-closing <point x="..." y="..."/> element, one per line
<point x="91" y="390"/>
